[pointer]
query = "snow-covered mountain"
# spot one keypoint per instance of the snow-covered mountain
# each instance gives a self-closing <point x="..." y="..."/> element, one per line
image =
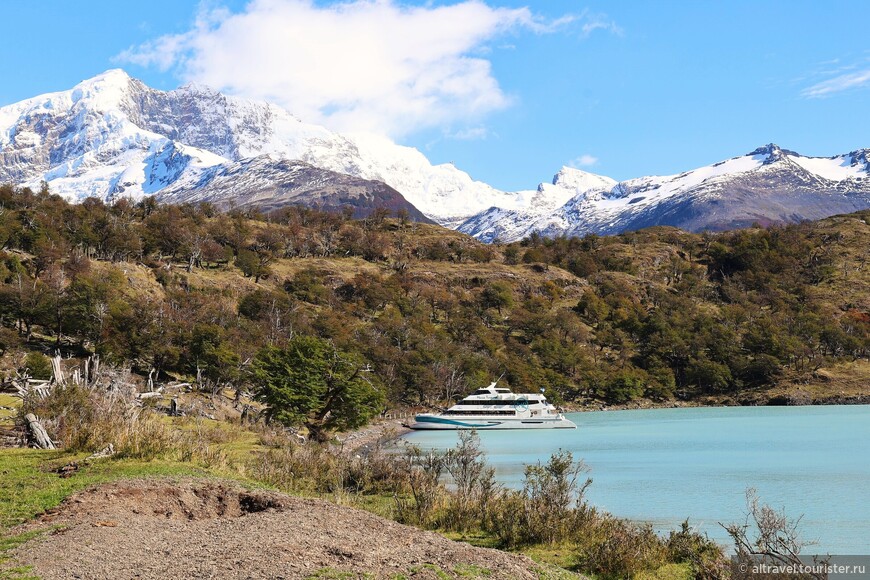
<point x="768" y="185"/>
<point x="112" y="135"/>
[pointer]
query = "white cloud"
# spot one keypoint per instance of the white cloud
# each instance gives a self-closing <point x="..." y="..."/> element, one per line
<point x="838" y="84"/>
<point x="584" y="160"/>
<point x="363" y="65"/>
<point x="593" y="22"/>
<point x="469" y="134"/>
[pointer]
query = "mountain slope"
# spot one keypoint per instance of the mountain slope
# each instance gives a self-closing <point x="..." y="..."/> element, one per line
<point x="767" y="185"/>
<point x="270" y="183"/>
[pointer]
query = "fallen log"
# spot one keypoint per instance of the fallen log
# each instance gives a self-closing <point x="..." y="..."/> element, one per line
<point x="43" y="441"/>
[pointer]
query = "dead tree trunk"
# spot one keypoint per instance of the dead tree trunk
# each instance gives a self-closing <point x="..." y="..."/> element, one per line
<point x="43" y="441"/>
<point x="57" y="371"/>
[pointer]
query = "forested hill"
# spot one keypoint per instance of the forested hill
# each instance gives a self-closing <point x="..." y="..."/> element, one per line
<point x="659" y="314"/>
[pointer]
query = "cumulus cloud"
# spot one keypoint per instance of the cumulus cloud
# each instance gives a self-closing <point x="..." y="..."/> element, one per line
<point x="838" y="84"/>
<point x="584" y="160"/>
<point x="363" y="65"/>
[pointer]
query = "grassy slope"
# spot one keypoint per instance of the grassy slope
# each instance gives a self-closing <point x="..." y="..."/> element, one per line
<point x="29" y="486"/>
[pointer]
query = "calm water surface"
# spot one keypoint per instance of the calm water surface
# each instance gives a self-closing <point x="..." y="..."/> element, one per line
<point x="664" y="465"/>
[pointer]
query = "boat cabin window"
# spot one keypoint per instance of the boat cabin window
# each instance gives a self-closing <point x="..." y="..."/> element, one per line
<point x="502" y="391"/>
<point x="476" y="412"/>
<point x="497" y="402"/>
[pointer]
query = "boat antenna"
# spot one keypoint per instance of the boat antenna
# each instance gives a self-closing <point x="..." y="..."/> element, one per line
<point x="499" y="378"/>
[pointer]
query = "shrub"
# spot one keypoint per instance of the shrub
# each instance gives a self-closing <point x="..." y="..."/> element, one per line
<point x="552" y="490"/>
<point x="37" y="366"/>
<point x="89" y="419"/>
<point x="704" y="555"/>
<point x="422" y="471"/>
<point x="474" y="481"/>
<point x="616" y="548"/>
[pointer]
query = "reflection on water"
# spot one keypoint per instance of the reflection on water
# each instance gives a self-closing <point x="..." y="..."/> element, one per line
<point x="664" y="465"/>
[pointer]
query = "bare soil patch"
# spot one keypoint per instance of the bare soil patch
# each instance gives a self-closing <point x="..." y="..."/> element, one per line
<point x="150" y="529"/>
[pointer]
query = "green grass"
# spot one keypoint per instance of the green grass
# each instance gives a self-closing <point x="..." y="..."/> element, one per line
<point x="7" y="416"/>
<point x="29" y="486"/>
<point x="333" y="574"/>
<point x="471" y="571"/>
<point x="554" y="562"/>
<point x="668" y="572"/>
<point x="439" y="573"/>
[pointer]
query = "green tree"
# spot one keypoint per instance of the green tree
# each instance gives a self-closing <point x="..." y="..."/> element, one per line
<point x="249" y="263"/>
<point x="312" y="383"/>
<point x="497" y="295"/>
<point x="212" y="356"/>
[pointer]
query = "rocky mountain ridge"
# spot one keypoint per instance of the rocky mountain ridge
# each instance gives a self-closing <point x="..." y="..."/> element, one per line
<point x="114" y="136"/>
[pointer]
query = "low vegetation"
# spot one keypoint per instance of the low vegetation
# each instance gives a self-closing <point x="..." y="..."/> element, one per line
<point x="549" y="512"/>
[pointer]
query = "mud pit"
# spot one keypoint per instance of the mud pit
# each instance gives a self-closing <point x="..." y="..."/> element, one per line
<point x="206" y="529"/>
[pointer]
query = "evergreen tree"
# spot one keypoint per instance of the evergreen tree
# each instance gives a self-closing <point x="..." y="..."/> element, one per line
<point x="312" y="383"/>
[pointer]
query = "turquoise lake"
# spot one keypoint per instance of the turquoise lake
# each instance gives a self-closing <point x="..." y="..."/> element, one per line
<point x="665" y="465"/>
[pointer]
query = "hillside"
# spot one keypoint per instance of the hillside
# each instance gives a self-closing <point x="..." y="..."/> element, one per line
<point x="658" y="315"/>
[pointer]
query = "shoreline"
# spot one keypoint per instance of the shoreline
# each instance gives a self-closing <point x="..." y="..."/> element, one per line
<point x="385" y="431"/>
<point x="774" y="401"/>
<point x="372" y="436"/>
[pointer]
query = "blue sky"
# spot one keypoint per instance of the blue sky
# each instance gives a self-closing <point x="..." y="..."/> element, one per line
<point x="509" y="91"/>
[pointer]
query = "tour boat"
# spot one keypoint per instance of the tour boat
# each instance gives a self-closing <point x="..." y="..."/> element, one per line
<point x="496" y="408"/>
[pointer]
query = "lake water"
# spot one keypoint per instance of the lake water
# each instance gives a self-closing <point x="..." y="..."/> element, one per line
<point x="664" y="465"/>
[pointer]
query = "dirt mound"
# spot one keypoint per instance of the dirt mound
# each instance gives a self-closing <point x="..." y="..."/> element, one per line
<point x="154" y="529"/>
<point x="185" y="501"/>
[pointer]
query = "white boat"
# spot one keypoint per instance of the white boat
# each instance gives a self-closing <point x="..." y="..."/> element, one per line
<point x="496" y="408"/>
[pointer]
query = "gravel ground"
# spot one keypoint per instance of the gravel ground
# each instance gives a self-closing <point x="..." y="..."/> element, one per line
<point x="167" y="529"/>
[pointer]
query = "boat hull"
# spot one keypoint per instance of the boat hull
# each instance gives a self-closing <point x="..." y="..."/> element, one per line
<point x="437" y="422"/>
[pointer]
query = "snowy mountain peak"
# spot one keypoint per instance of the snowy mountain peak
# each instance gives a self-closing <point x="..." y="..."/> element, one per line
<point x="108" y="135"/>
<point x="579" y="180"/>
<point x="861" y="157"/>
<point x="111" y="77"/>
<point x="773" y="153"/>
<point x="104" y="91"/>
<point x="770" y="184"/>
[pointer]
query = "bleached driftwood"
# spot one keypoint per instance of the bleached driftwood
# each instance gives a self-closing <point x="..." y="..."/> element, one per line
<point x="27" y="387"/>
<point x="43" y="441"/>
<point x="57" y="371"/>
<point x="91" y="369"/>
